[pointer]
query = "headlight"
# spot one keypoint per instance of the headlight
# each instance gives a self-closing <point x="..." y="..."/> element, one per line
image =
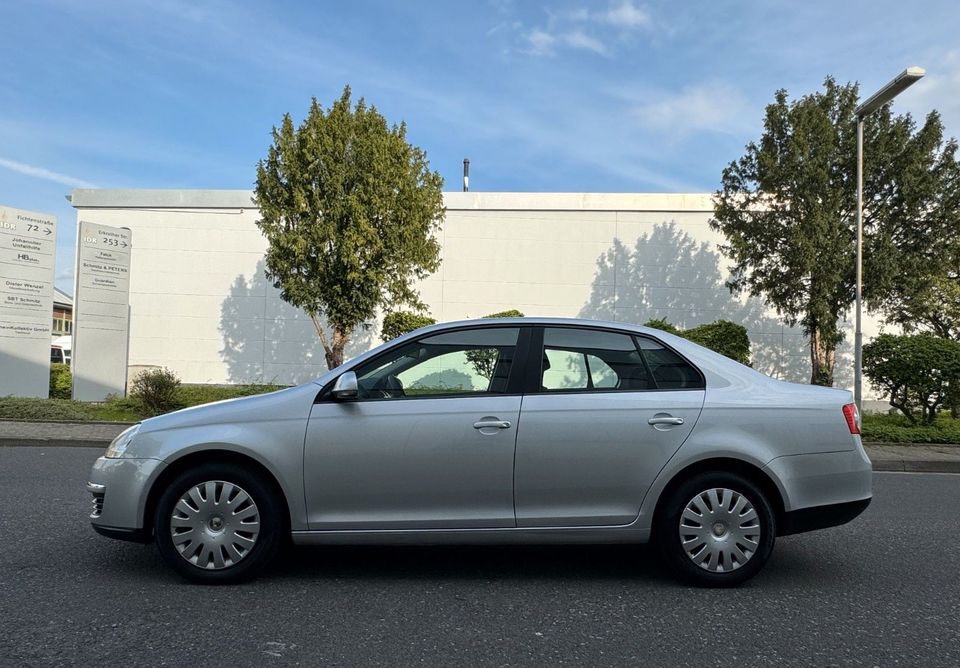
<point x="120" y="443"/>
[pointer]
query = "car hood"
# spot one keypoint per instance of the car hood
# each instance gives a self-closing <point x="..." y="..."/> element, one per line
<point x="289" y="403"/>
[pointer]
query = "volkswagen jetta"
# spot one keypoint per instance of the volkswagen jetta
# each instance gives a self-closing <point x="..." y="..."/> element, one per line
<point x="496" y="431"/>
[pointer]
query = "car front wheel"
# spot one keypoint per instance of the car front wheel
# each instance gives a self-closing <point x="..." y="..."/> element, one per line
<point x="218" y="524"/>
<point x="717" y="530"/>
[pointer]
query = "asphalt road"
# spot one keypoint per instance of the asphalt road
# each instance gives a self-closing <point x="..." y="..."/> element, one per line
<point x="882" y="591"/>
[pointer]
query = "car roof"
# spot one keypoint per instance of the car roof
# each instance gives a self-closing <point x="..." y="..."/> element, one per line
<point x="535" y="321"/>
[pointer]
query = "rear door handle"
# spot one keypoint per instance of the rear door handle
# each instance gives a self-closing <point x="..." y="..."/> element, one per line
<point x="665" y="420"/>
<point x="491" y="424"/>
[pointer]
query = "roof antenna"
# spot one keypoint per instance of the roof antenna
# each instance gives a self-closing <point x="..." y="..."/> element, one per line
<point x="466" y="174"/>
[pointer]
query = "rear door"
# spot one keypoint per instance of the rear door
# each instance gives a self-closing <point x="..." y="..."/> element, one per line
<point x="607" y="411"/>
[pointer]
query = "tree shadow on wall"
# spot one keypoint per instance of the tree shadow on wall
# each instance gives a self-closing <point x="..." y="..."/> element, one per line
<point x="265" y="340"/>
<point x="667" y="274"/>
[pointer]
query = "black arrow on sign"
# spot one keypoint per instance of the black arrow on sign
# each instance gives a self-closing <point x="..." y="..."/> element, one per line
<point x="48" y="231"/>
<point x="125" y="244"/>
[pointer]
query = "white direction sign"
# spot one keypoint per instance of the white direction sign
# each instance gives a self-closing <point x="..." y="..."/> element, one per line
<point x="101" y="312"/>
<point x="27" y="244"/>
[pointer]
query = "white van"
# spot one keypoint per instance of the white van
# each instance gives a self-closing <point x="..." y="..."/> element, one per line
<point x="60" y="350"/>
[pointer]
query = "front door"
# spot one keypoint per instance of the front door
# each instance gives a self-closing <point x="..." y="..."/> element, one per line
<point x="610" y="411"/>
<point x="429" y="442"/>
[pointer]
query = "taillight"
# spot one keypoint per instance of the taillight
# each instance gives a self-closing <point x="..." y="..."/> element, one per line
<point x="852" y="416"/>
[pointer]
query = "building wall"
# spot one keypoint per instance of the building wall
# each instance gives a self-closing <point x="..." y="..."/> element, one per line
<point x="201" y="306"/>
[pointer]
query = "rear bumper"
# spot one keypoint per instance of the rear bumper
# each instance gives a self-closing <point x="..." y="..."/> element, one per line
<point x="822" y="479"/>
<point x="820" y="517"/>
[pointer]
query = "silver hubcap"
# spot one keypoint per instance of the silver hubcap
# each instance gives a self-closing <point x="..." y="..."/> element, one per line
<point x="719" y="530"/>
<point x="215" y="524"/>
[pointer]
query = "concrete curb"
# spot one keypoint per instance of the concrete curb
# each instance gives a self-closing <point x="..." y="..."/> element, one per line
<point x="916" y="465"/>
<point x="52" y="443"/>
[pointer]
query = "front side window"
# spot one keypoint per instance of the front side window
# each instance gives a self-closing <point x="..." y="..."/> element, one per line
<point x="474" y="361"/>
<point x="584" y="360"/>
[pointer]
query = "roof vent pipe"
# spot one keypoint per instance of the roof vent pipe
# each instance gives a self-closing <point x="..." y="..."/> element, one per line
<point x="466" y="174"/>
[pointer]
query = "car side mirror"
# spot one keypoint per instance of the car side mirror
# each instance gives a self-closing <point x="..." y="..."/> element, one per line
<point x="345" y="387"/>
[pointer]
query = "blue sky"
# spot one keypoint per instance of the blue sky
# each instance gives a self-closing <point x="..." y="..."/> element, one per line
<point x="610" y="95"/>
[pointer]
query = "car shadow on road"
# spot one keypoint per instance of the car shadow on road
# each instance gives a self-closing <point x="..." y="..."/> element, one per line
<point x="540" y="562"/>
<point x="792" y="564"/>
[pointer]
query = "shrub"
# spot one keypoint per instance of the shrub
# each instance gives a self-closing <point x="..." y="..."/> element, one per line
<point x="61" y="382"/>
<point x="920" y="373"/>
<point x="724" y="337"/>
<point x="156" y="390"/>
<point x="193" y="395"/>
<point x="664" y="326"/>
<point x="401" y="322"/>
<point x="879" y="428"/>
<point x="512" y="313"/>
<point x="22" y="408"/>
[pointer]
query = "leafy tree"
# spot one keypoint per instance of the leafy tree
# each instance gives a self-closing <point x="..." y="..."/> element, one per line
<point x="484" y="360"/>
<point x="788" y="210"/>
<point x="725" y="337"/>
<point x="349" y="209"/>
<point x="928" y="301"/>
<point x="919" y="373"/>
<point x="400" y="322"/>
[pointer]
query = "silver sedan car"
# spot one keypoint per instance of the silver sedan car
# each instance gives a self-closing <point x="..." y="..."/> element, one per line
<point x="496" y="431"/>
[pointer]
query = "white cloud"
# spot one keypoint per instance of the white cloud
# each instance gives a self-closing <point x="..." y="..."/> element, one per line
<point x="45" y="174"/>
<point x="578" y="39"/>
<point x="541" y="42"/>
<point x="587" y="30"/>
<point x="626" y="14"/>
<point x="712" y="106"/>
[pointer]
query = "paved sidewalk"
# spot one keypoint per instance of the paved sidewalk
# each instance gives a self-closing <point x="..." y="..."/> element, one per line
<point x="885" y="457"/>
<point x="78" y="434"/>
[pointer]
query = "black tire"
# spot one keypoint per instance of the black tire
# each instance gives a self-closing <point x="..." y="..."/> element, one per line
<point x="668" y="538"/>
<point x="272" y="524"/>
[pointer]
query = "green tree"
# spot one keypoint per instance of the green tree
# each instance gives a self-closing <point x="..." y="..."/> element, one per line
<point x="928" y="300"/>
<point x="920" y="373"/>
<point x="349" y="209"/>
<point x="400" y="322"/>
<point x="787" y="208"/>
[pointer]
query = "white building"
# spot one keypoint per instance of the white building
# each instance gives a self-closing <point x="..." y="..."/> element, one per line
<point x="200" y="304"/>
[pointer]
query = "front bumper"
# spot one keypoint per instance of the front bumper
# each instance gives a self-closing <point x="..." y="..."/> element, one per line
<point x="119" y="488"/>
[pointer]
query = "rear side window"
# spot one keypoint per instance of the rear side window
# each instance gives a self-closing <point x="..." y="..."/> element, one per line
<point x="583" y="359"/>
<point x="668" y="370"/>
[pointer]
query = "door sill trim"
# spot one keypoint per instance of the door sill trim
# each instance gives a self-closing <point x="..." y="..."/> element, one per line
<point x="510" y="535"/>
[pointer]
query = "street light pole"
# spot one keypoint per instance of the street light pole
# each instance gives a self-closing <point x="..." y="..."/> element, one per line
<point x="896" y="86"/>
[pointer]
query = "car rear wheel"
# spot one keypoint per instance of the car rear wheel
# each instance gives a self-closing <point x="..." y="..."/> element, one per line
<point x="218" y="523"/>
<point x="717" y="529"/>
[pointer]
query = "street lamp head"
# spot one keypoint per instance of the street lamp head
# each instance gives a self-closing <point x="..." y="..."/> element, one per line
<point x="902" y="81"/>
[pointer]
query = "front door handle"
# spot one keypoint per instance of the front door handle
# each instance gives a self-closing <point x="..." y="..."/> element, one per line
<point x="663" y="419"/>
<point x="491" y="424"/>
